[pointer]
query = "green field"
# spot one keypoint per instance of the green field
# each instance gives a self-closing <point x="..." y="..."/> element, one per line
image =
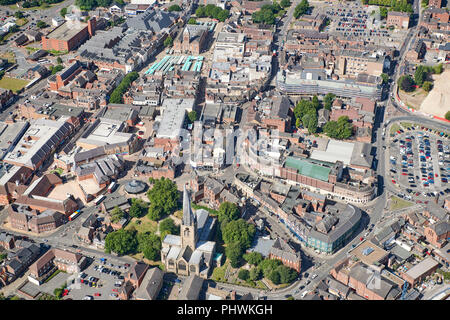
<point x="142" y="225"/>
<point x="21" y="22"/>
<point x="394" y="128"/>
<point x="13" y="84"/>
<point x="397" y="204"/>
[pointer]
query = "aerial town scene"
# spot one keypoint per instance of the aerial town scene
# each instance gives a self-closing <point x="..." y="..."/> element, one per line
<point x="224" y="150"/>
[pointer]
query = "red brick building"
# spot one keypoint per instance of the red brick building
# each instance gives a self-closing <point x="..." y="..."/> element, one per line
<point x="69" y="35"/>
<point x="398" y="19"/>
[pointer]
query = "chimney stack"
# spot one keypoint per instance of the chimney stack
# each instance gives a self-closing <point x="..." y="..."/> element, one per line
<point x="92" y="25"/>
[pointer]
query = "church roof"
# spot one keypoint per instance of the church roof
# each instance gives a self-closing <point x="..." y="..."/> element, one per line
<point x="188" y="215"/>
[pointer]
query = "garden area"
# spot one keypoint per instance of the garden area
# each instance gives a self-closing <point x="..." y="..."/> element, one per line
<point x="397" y="204"/>
<point x="13" y="84"/>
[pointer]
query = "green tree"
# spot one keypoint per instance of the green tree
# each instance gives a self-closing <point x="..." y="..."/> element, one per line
<point x="168" y="42"/>
<point x="167" y="226"/>
<point x="59" y="60"/>
<point x="56" y="69"/>
<point x="420" y="75"/>
<point x="269" y="265"/>
<point x="315" y="102"/>
<point x="117" y="214"/>
<point x="438" y="68"/>
<point x="341" y="129"/>
<point x="121" y="242"/>
<point x="406" y="83"/>
<point x="309" y="120"/>
<point x="174" y="7"/>
<point x="285" y="3"/>
<point x="150" y="245"/>
<point x="254" y="258"/>
<point x="298" y="122"/>
<point x="328" y="100"/>
<point x="155" y="212"/>
<point x="274" y="276"/>
<point x="427" y="86"/>
<point x="228" y="211"/>
<point x="63" y="12"/>
<point x="104" y="3"/>
<point x="192" y="21"/>
<point x="238" y="231"/>
<point x="233" y="251"/>
<point x="244" y="274"/>
<point x="41" y="24"/>
<point x="447" y="115"/>
<point x="18" y="14"/>
<point x="223" y="15"/>
<point x="200" y="12"/>
<point x="255" y="273"/>
<point x="138" y="208"/>
<point x="116" y="95"/>
<point x="301" y="9"/>
<point x="302" y="108"/>
<point x="385" y="78"/>
<point x="163" y="198"/>
<point x="192" y="116"/>
<point x="287" y="275"/>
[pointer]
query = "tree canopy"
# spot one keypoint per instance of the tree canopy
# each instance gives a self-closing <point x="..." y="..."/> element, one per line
<point x="174" y="7"/>
<point x="117" y="214"/>
<point x="406" y="83"/>
<point x="163" y="198"/>
<point x="121" y="242"/>
<point x="328" y="100"/>
<point x="340" y="129"/>
<point x="244" y="274"/>
<point x="192" y="115"/>
<point x="150" y="245"/>
<point x="420" y="75"/>
<point x="116" y="95"/>
<point x="266" y="14"/>
<point x="238" y="231"/>
<point x="233" y="251"/>
<point x="447" y="115"/>
<point x="168" y="42"/>
<point x="228" y="211"/>
<point x="301" y="9"/>
<point x="91" y="4"/>
<point x="254" y="258"/>
<point x="167" y="226"/>
<point x="138" y="208"/>
<point x="427" y="86"/>
<point x="212" y="11"/>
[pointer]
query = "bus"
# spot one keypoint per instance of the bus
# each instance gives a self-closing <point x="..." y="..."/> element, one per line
<point x="99" y="199"/>
<point x="112" y="186"/>
<point x="74" y="215"/>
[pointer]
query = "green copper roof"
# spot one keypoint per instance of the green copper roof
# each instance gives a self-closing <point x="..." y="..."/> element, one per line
<point x="308" y="169"/>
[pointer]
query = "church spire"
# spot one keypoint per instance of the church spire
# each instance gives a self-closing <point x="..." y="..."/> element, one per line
<point x="188" y="215"/>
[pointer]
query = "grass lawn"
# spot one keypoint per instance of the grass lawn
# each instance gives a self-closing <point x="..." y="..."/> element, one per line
<point x="211" y="211"/>
<point x="12" y="84"/>
<point x="10" y="56"/>
<point x="397" y="203"/>
<point x="178" y="214"/>
<point x="218" y="273"/>
<point x="394" y="128"/>
<point x="406" y="125"/>
<point x="145" y="225"/>
<point x="21" y="22"/>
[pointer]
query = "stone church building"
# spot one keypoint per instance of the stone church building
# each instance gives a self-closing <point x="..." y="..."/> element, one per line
<point x="191" y="252"/>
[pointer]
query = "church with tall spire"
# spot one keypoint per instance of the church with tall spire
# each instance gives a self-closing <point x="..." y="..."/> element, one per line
<point x="191" y="252"/>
